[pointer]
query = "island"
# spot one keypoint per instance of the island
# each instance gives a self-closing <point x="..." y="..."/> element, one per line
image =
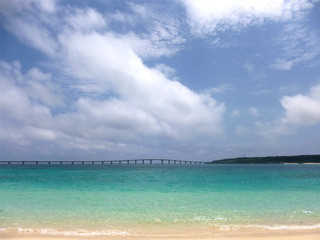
<point x="301" y="159"/>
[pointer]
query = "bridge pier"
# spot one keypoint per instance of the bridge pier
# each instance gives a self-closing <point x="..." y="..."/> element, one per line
<point x="135" y="161"/>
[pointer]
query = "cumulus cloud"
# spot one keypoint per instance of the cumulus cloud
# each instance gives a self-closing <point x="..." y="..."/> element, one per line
<point x="299" y="110"/>
<point x="208" y="16"/>
<point x="166" y="105"/>
<point x="113" y="97"/>
<point x="302" y="109"/>
<point x="25" y="103"/>
<point x="169" y="72"/>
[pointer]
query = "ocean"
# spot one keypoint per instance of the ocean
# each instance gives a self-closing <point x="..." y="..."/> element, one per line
<point x="158" y="199"/>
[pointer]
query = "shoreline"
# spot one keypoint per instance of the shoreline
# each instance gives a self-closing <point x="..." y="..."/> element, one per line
<point x="237" y="234"/>
<point x="309" y="235"/>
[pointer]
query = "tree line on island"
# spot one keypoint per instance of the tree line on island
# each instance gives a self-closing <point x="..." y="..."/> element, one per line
<point x="271" y="159"/>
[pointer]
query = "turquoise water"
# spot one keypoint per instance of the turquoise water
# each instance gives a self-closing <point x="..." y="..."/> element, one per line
<point x="137" y="198"/>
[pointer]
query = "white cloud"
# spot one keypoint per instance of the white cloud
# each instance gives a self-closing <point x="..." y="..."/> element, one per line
<point x="235" y="113"/>
<point x="29" y="30"/>
<point x="154" y="45"/>
<point x="172" y="106"/>
<point x="298" y="41"/>
<point x="285" y="89"/>
<point x="86" y="20"/>
<point x="282" y="64"/>
<point x="141" y="10"/>
<point x="208" y="16"/>
<point x="249" y="67"/>
<point x="113" y="97"/>
<point x="302" y="109"/>
<point x="169" y="72"/>
<point x="35" y="85"/>
<point x="34" y="35"/>
<point x="223" y="88"/>
<point x="156" y="33"/>
<point x="25" y="109"/>
<point x="33" y="25"/>
<point x="241" y="130"/>
<point x="299" y="45"/>
<point x="254" y="112"/>
<point x="271" y="131"/>
<point x="47" y="5"/>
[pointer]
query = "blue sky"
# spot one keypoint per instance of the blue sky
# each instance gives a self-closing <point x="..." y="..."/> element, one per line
<point x="198" y="80"/>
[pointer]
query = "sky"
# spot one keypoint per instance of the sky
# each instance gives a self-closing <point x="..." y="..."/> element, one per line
<point x="181" y="79"/>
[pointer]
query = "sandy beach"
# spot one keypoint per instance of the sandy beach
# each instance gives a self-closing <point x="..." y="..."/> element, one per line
<point x="311" y="234"/>
<point x="266" y="236"/>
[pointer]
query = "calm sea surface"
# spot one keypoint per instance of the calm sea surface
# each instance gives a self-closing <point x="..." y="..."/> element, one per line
<point x="131" y="199"/>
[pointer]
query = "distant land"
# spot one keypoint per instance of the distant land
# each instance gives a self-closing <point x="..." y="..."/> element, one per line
<point x="271" y="159"/>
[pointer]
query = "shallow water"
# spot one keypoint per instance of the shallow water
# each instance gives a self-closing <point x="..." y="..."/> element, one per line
<point x="136" y="198"/>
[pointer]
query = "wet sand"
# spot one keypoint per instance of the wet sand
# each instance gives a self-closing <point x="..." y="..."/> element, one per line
<point x="310" y="235"/>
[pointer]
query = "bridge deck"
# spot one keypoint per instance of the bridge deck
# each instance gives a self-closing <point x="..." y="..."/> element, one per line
<point x="131" y="161"/>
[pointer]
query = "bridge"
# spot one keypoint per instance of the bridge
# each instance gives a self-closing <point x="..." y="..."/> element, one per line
<point x="132" y="161"/>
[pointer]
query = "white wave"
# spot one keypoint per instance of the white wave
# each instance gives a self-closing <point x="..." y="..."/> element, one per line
<point x="270" y="227"/>
<point x="79" y="232"/>
<point x="286" y="227"/>
<point x="307" y="211"/>
<point x="115" y="232"/>
<point x="207" y="219"/>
